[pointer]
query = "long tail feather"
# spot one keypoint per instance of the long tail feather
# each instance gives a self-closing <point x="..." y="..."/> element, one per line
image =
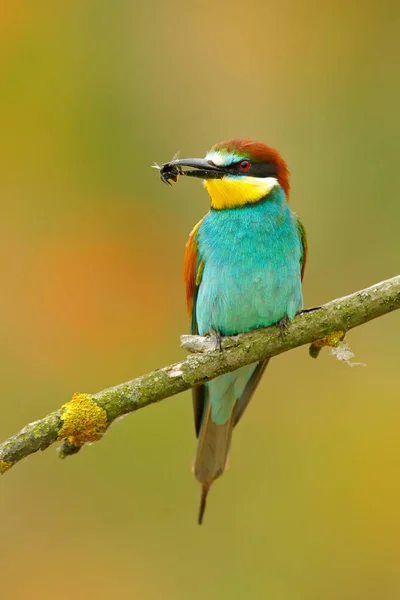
<point x="218" y="406"/>
<point x="203" y="502"/>
<point x="211" y="454"/>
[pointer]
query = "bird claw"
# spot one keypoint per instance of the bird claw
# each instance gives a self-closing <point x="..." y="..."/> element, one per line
<point x="217" y="339"/>
<point x="283" y="325"/>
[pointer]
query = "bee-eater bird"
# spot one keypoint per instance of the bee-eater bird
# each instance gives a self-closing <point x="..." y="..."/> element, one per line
<point x="243" y="269"/>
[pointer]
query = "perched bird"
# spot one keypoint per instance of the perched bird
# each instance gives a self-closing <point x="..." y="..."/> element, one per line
<point x="243" y="268"/>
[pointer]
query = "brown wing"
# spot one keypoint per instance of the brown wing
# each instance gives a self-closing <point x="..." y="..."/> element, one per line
<point x="192" y="272"/>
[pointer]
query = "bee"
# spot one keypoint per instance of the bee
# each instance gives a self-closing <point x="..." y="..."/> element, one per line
<point x="169" y="171"/>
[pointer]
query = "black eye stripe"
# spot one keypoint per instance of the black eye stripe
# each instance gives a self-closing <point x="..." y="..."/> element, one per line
<point x="255" y="170"/>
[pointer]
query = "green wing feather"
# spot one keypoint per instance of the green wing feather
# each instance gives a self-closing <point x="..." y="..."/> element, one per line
<point x="303" y="239"/>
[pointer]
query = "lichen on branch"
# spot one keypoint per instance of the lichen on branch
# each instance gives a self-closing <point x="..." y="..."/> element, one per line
<point x="83" y="420"/>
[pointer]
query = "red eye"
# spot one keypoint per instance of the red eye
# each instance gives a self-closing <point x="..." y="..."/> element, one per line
<point x="244" y="165"/>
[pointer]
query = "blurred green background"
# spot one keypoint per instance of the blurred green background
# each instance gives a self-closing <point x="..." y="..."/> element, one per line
<point x="91" y="258"/>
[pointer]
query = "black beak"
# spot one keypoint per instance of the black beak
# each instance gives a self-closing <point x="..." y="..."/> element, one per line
<point x="197" y="167"/>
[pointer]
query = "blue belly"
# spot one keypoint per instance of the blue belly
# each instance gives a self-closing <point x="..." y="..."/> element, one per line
<point x="251" y="275"/>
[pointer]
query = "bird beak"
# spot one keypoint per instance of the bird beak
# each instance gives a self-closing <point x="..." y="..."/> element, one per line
<point x="192" y="167"/>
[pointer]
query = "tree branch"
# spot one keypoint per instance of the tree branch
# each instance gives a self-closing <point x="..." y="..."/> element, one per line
<point x="86" y="417"/>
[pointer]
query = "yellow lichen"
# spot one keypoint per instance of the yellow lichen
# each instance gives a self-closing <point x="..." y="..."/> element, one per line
<point x="332" y="340"/>
<point x="5" y="465"/>
<point x="83" y="420"/>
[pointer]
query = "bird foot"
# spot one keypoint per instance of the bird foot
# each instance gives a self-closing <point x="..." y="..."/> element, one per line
<point x="217" y="339"/>
<point x="283" y="325"/>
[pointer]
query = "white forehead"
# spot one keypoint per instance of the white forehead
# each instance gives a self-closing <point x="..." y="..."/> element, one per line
<point x="222" y="158"/>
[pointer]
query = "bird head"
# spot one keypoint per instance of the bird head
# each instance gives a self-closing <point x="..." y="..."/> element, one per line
<point x="237" y="172"/>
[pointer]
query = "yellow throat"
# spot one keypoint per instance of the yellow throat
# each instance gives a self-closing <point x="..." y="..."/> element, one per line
<point x="233" y="193"/>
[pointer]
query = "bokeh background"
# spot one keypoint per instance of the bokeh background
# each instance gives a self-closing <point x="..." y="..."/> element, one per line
<point x="91" y="251"/>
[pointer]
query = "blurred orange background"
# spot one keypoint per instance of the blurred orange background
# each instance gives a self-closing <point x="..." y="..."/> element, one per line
<point x="91" y="249"/>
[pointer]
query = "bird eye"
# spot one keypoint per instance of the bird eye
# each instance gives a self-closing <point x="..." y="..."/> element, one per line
<point x="244" y="165"/>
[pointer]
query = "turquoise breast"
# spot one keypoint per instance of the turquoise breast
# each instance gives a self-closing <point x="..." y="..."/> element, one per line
<point x="251" y="275"/>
